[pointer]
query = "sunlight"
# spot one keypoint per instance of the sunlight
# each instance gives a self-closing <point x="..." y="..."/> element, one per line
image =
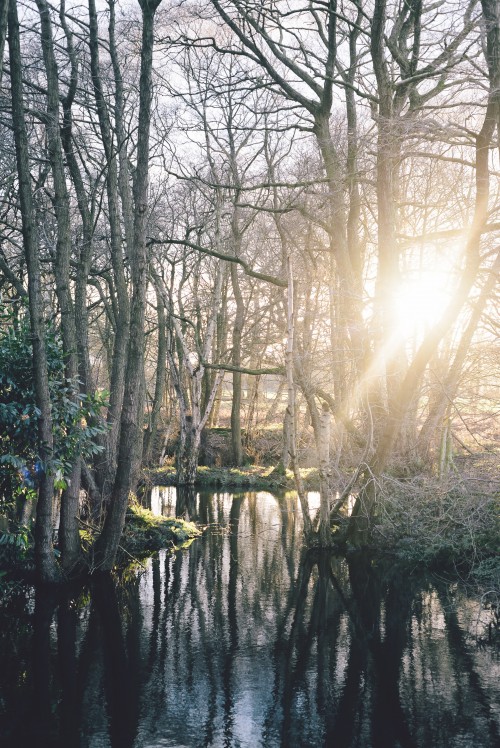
<point x="420" y="301"/>
<point x="416" y="305"/>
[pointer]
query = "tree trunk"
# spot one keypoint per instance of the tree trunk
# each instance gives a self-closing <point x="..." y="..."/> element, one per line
<point x="291" y="408"/>
<point x="86" y="247"/>
<point x="131" y="432"/>
<point x="4" y="8"/>
<point x="187" y="457"/>
<point x="107" y="468"/>
<point x="161" y="370"/>
<point x="46" y="566"/>
<point x="324" y="532"/>
<point x="345" y="304"/>
<point x="69" y="536"/>
<point x="236" y="440"/>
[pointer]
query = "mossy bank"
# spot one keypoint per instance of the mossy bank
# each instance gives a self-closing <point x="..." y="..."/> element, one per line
<point x="251" y="478"/>
<point x="145" y="533"/>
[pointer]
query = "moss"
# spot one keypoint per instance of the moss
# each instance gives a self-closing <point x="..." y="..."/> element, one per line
<point x="163" y="476"/>
<point x="144" y="532"/>
<point x="251" y="478"/>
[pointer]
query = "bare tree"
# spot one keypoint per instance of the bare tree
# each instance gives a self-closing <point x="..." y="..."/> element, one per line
<point x="44" y="553"/>
<point x="131" y="430"/>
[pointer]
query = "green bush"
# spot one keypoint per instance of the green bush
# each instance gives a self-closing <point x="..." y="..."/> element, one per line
<point x="16" y="547"/>
<point x="76" y="416"/>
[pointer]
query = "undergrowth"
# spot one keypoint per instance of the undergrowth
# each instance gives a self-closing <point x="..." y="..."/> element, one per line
<point x="441" y="526"/>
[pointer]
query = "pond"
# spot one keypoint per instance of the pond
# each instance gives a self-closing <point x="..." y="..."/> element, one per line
<point x="242" y="640"/>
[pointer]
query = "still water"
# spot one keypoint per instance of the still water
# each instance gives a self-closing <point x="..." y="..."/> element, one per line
<point x="242" y="640"/>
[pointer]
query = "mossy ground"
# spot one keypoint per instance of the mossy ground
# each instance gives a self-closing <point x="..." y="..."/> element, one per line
<point x="145" y="533"/>
<point x="245" y="478"/>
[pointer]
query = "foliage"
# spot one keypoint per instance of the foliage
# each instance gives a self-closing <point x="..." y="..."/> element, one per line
<point x="76" y="416"/>
<point x="16" y="548"/>
<point x="486" y="573"/>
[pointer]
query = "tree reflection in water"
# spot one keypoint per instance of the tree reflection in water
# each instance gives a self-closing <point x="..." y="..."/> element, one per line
<point x="245" y="640"/>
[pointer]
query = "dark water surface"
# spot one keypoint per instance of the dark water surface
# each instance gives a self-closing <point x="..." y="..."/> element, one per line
<point x="240" y="640"/>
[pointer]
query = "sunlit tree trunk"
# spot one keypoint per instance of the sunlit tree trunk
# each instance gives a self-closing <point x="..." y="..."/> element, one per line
<point x="387" y="350"/>
<point x="291" y="406"/>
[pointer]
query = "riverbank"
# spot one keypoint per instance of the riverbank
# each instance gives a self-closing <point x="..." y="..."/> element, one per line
<point x="450" y="525"/>
<point x="251" y="478"/>
<point x="143" y="534"/>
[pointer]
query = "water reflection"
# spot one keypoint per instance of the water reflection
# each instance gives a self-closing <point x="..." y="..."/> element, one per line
<point x="244" y="640"/>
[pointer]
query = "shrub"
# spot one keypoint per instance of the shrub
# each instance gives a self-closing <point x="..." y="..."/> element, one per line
<point x="76" y="416"/>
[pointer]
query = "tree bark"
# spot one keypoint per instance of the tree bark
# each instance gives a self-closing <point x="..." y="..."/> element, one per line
<point x="86" y="247"/>
<point x="46" y="566"/>
<point x="107" y="468"/>
<point x="291" y="406"/>
<point x="69" y="537"/>
<point x="161" y="371"/>
<point x="236" y="440"/>
<point x="4" y="8"/>
<point x="131" y="431"/>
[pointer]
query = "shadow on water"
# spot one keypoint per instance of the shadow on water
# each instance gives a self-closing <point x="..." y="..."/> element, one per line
<point x="244" y="639"/>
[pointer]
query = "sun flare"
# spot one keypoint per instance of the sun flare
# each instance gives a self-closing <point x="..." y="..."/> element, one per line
<point x="420" y="301"/>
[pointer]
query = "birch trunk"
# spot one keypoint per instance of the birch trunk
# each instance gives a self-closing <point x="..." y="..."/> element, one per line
<point x="291" y="406"/>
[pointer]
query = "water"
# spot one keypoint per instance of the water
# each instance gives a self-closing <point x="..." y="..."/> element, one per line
<point x="241" y="640"/>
